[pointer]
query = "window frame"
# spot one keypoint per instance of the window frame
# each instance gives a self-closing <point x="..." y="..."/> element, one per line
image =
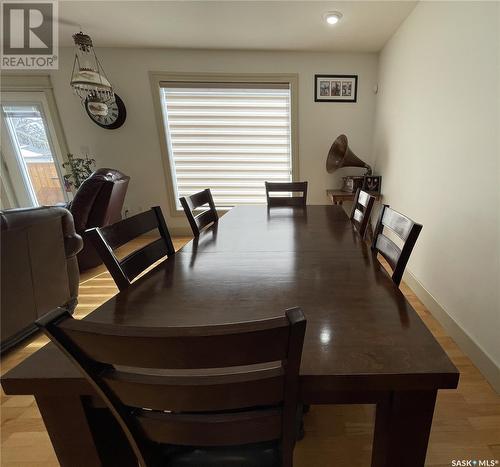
<point x="157" y="77"/>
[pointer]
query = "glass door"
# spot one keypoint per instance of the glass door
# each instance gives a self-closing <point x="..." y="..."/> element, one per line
<point x="30" y="150"/>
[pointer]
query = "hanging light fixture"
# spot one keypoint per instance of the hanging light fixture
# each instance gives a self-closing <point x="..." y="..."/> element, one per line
<point x="88" y="79"/>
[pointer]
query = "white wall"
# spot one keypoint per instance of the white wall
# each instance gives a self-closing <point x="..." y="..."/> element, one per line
<point x="135" y="147"/>
<point x="436" y="146"/>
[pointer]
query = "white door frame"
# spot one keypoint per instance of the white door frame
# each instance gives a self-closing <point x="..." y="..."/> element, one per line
<point x="9" y="150"/>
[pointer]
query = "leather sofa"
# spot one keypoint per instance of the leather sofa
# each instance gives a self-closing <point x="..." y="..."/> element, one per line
<point x="97" y="203"/>
<point x="39" y="270"/>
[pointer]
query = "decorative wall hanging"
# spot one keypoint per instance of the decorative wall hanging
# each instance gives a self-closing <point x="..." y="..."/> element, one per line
<point x="90" y="83"/>
<point x="335" y="88"/>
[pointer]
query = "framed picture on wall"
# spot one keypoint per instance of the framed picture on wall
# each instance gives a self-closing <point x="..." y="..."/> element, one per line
<point x="372" y="183"/>
<point x="335" y="88"/>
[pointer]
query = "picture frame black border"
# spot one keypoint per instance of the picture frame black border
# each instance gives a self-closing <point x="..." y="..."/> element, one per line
<point x="333" y="77"/>
<point x="379" y="190"/>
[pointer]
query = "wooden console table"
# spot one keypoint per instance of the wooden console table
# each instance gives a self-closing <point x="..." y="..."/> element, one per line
<point x="339" y="196"/>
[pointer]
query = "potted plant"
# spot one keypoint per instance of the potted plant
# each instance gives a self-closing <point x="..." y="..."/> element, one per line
<point x="78" y="170"/>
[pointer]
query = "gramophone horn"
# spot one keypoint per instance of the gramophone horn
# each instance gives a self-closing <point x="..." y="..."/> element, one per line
<point x="341" y="156"/>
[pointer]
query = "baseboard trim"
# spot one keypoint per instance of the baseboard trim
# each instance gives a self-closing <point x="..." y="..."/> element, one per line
<point x="479" y="357"/>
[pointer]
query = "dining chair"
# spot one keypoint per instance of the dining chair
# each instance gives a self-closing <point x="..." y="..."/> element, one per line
<point x="288" y="187"/>
<point x="107" y="239"/>
<point x="97" y="202"/>
<point x="361" y="211"/>
<point x="198" y="396"/>
<point x="200" y="221"/>
<point x="405" y="229"/>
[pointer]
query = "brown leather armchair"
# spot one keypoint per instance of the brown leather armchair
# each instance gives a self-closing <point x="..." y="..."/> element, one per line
<point x="97" y="203"/>
<point x="39" y="270"/>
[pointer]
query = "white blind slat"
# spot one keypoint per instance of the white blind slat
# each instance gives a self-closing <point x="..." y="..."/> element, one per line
<point x="193" y="87"/>
<point x="228" y="137"/>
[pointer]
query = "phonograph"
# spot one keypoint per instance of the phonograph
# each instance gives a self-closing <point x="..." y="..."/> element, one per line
<point x="341" y="156"/>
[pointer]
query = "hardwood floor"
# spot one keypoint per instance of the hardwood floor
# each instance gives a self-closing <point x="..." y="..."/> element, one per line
<point x="466" y="421"/>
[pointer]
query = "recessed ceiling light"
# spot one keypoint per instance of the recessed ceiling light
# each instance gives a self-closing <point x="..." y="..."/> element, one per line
<point x="332" y="17"/>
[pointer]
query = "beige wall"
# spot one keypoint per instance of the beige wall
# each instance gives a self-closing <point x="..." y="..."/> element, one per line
<point x="135" y="147"/>
<point x="436" y="145"/>
<point x="5" y="202"/>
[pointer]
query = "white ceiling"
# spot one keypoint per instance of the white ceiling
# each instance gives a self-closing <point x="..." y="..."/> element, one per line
<point x="257" y="25"/>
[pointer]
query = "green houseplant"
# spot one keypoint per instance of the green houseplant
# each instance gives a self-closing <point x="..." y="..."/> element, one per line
<point x="78" y="170"/>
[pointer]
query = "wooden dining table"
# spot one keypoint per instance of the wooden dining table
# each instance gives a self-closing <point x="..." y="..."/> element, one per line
<point x="364" y="343"/>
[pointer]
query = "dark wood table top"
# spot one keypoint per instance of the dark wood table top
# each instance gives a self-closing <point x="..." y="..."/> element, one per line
<point x="361" y="334"/>
<point x="258" y="230"/>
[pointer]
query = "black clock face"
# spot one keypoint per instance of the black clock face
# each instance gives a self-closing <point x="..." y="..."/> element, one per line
<point x="117" y="113"/>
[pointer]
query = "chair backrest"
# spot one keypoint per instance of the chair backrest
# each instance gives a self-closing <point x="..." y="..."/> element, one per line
<point x="199" y="221"/>
<point x="362" y="210"/>
<point x="288" y="187"/>
<point x="99" y="200"/>
<point x="406" y="229"/>
<point x="215" y="385"/>
<point x="107" y="239"/>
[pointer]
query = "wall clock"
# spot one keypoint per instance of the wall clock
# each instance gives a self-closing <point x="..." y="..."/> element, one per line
<point x="114" y="118"/>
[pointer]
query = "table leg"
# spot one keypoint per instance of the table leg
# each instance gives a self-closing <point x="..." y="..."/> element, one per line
<point x="402" y="427"/>
<point x="83" y="435"/>
<point x="69" y="431"/>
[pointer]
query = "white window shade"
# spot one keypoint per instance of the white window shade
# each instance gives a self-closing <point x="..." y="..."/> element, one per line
<point x="228" y="137"/>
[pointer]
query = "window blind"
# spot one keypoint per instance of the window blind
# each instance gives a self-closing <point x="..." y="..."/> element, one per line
<point x="229" y="137"/>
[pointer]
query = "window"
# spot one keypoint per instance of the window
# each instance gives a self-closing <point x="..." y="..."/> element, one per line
<point x="31" y="155"/>
<point x="229" y="137"/>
